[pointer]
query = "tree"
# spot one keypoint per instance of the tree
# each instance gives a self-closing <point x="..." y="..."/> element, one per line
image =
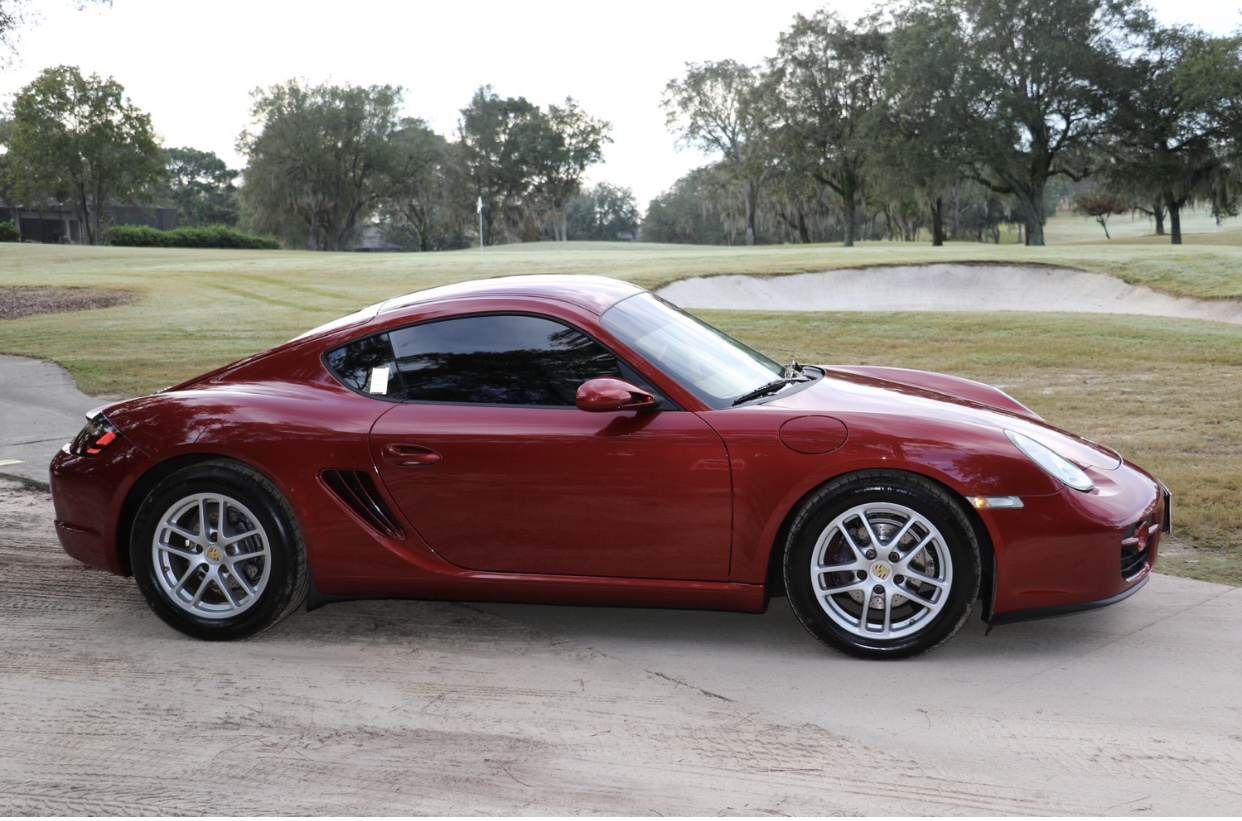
<point x="714" y="108"/>
<point x="79" y="139"/>
<point x="202" y="187"/>
<point x="318" y="159"/>
<point x="1101" y="205"/>
<point x="1038" y="76"/>
<point x="917" y="133"/>
<point x="6" y="179"/>
<point x="1172" y="130"/>
<point x="602" y="212"/>
<point x="498" y="139"/>
<point x="824" y="83"/>
<point x="420" y="187"/>
<point x="524" y="163"/>
<point x="686" y="213"/>
<point x="572" y="141"/>
<point x="796" y="200"/>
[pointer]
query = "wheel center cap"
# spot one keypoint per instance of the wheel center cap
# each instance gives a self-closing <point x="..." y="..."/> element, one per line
<point x="881" y="571"/>
<point x="214" y="554"/>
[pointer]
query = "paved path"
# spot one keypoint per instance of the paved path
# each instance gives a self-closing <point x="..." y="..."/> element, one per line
<point x="41" y="409"/>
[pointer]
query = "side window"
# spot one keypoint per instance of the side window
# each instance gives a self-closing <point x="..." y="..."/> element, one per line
<point x="497" y="359"/>
<point x="366" y="365"/>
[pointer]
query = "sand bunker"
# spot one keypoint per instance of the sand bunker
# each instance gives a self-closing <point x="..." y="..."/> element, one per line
<point x="944" y="287"/>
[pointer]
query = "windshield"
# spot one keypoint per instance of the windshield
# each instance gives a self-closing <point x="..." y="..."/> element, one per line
<point x="714" y="366"/>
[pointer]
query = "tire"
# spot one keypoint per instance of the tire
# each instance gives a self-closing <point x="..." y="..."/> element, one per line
<point x="882" y="565"/>
<point x="211" y="582"/>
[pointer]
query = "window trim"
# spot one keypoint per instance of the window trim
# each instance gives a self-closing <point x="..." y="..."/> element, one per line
<point x="628" y="372"/>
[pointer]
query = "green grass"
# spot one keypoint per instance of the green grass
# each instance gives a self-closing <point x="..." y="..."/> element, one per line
<point x="1165" y="392"/>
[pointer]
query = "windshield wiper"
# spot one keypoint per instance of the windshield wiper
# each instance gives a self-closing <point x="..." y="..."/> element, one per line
<point x="772" y="387"/>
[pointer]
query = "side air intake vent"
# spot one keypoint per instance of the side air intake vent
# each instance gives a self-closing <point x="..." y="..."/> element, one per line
<point x="356" y="490"/>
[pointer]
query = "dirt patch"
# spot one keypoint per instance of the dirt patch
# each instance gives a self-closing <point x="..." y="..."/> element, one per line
<point x="20" y="301"/>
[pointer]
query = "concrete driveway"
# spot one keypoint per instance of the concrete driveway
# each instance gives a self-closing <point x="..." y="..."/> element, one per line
<point x="40" y="409"/>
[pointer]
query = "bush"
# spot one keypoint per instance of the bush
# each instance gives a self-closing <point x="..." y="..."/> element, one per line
<point x="9" y="232"/>
<point x="213" y="236"/>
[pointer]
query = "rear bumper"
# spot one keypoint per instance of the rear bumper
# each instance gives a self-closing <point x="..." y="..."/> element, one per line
<point x="88" y="494"/>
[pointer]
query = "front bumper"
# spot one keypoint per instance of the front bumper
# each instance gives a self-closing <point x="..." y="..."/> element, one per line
<point x="1073" y="551"/>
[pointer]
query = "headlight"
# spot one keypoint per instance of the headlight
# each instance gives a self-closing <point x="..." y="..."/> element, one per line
<point x="1054" y="463"/>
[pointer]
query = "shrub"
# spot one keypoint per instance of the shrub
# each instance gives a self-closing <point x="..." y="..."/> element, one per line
<point x="212" y="236"/>
<point x="9" y="232"/>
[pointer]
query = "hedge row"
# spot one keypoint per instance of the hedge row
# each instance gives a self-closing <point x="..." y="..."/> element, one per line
<point x="9" y="232"/>
<point x="213" y="236"/>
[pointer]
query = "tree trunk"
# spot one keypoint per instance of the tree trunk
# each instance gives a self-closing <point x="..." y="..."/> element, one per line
<point x="84" y="214"/>
<point x="1157" y="211"/>
<point x="748" y="202"/>
<point x="847" y="196"/>
<point x="1035" y="216"/>
<point x="1175" y="218"/>
<point x="1034" y="233"/>
<point x="937" y="215"/>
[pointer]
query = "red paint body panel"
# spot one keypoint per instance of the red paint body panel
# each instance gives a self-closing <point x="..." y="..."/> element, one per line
<point x="679" y="507"/>
<point x="556" y="490"/>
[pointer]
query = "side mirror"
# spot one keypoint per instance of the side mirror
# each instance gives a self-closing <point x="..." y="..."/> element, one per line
<point x="605" y="394"/>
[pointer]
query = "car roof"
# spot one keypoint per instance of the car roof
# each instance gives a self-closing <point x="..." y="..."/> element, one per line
<point x="594" y="293"/>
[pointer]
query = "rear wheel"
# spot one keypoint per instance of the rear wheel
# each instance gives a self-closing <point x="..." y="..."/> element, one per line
<point x="217" y="552"/>
<point x="882" y="565"/>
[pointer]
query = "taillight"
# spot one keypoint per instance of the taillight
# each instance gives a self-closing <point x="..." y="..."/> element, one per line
<point x="95" y="437"/>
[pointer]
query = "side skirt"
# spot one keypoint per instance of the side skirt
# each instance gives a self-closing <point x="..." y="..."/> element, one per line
<point x="571" y="590"/>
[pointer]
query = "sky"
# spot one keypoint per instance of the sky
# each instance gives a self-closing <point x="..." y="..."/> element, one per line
<point x="193" y="66"/>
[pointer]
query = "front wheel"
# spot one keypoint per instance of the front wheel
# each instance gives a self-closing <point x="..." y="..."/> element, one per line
<point x="882" y="565"/>
<point x="217" y="553"/>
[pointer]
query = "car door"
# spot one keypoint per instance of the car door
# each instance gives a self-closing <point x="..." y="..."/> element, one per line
<point x="498" y="471"/>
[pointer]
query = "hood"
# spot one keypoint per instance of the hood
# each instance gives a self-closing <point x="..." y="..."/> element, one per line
<point x="845" y="392"/>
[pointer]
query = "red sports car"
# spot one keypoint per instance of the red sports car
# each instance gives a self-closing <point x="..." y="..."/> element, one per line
<point x="578" y="440"/>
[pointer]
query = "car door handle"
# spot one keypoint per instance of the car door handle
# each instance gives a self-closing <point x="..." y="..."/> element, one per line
<point x="410" y="456"/>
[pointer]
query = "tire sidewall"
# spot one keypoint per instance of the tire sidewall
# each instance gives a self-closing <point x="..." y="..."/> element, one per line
<point x="250" y="489"/>
<point x="928" y="499"/>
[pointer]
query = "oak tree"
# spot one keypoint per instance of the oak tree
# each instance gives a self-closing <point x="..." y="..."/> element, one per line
<point x="317" y="158"/>
<point x="715" y="108"/>
<point x="824" y="84"/>
<point x="80" y="140"/>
